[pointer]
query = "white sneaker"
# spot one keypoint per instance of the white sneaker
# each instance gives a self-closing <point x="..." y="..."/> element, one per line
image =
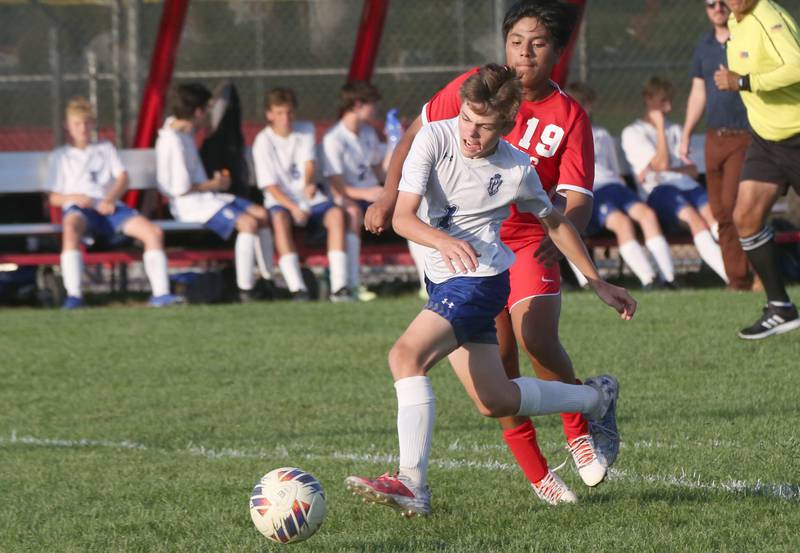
<point x="590" y="463"/>
<point x="363" y="294"/>
<point x="553" y="491"/>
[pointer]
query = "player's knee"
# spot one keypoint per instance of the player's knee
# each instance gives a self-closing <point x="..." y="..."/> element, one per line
<point x="335" y="217"/>
<point x="154" y="235"/>
<point x="247" y="223"/>
<point x="261" y="215"/>
<point x="72" y="229"/>
<point x="747" y="222"/>
<point x="404" y="361"/>
<point x="647" y="216"/>
<point x="495" y="406"/>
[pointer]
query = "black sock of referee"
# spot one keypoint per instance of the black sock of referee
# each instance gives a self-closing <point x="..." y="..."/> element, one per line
<point x="762" y="253"/>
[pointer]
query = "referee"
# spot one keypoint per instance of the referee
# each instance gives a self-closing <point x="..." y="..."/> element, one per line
<point x="764" y="66"/>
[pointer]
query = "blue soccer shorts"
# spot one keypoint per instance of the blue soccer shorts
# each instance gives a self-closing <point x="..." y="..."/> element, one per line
<point x="470" y="305"/>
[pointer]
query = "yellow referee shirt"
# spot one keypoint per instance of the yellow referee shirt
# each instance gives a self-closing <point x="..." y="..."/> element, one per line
<point x="765" y="44"/>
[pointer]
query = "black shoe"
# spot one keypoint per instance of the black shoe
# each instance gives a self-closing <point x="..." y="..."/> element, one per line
<point x="301" y="296"/>
<point x="774" y="320"/>
<point x="670" y="285"/>
<point x="266" y="289"/>
<point x="342" y="295"/>
<point x="247" y="296"/>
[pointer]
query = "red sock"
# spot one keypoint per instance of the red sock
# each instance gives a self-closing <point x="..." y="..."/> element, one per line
<point x="575" y="424"/>
<point x="522" y="443"/>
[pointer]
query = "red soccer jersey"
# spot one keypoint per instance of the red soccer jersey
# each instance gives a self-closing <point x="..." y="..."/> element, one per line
<point x="555" y="132"/>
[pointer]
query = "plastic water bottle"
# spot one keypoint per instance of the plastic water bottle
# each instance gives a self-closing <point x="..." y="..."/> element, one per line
<point x="393" y="129"/>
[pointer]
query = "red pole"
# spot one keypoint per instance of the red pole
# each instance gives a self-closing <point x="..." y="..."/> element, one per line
<point x="373" y="17"/>
<point x="173" y="17"/>
<point x="561" y="70"/>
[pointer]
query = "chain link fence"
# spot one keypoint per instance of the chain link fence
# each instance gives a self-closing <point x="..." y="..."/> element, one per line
<point x="52" y="50"/>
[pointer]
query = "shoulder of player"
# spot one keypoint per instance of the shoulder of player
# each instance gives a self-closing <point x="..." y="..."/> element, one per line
<point x="58" y="152"/>
<point x="768" y="13"/>
<point x="437" y="134"/>
<point x="634" y="131"/>
<point x="333" y="134"/>
<point x="517" y="156"/>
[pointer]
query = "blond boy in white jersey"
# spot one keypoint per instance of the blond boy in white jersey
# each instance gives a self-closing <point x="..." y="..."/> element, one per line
<point x="283" y="155"/>
<point x="353" y="165"/>
<point x="86" y="180"/>
<point x="464" y="177"/>
<point x="195" y="198"/>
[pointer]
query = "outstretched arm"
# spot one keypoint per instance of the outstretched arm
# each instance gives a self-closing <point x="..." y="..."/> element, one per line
<point x="566" y="238"/>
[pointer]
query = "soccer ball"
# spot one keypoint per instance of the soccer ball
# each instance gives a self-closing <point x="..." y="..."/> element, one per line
<point x="287" y="505"/>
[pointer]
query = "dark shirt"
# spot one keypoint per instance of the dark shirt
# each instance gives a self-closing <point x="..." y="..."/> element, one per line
<point x="723" y="109"/>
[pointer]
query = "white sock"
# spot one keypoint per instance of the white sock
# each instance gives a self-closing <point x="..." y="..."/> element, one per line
<point x="265" y="253"/>
<point x="582" y="281"/>
<point x="544" y="397"/>
<point x="71" y="271"/>
<point x="416" y="413"/>
<point x="418" y="252"/>
<point x="337" y="263"/>
<point x="660" y="249"/>
<point x="155" y="266"/>
<point x="710" y="252"/>
<point x="245" y="260"/>
<point x="290" y="269"/>
<point x="353" y="243"/>
<point x="634" y="256"/>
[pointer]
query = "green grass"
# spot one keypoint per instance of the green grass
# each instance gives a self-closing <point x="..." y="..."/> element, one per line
<point x="183" y="410"/>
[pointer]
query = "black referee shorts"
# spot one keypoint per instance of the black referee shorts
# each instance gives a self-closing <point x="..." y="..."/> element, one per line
<point x="773" y="162"/>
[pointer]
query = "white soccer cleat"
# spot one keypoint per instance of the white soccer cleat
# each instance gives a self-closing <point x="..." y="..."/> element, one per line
<point x="393" y="491"/>
<point x="553" y="491"/>
<point x="590" y="463"/>
<point x="603" y="422"/>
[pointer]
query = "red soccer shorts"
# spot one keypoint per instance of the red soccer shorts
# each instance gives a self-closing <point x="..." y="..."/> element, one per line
<point x="529" y="278"/>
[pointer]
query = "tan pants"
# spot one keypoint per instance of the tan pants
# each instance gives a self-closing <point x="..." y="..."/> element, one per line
<point x="724" y="158"/>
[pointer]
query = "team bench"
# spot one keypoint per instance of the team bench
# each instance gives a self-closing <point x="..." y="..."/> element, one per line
<point x="26" y="173"/>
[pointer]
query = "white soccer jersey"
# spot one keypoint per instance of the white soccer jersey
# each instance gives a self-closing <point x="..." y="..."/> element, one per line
<point x="470" y="198"/>
<point x="606" y="164"/>
<point x="91" y="171"/>
<point x="178" y="167"/>
<point x="352" y="155"/>
<point x="639" y="145"/>
<point x="281" y="161"/>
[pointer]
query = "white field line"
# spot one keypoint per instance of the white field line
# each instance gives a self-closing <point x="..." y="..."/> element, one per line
<point x="686" y="480"/>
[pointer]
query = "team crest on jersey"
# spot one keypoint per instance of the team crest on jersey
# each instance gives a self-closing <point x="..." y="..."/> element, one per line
<point x="295" y="172"/>
<point x="447" y="219"/>
<point x="494" y="184"/>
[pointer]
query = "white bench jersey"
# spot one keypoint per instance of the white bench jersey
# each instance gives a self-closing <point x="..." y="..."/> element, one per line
<point x="281" y="161"/>
<point x="91" y="171"/>
<point x="178" y="167"/>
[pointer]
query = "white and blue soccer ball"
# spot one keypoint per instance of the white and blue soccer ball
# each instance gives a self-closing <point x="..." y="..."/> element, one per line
<point x="287" y="505"/>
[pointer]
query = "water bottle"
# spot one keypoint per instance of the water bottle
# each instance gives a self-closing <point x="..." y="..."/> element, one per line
<point x="393" y="129"/>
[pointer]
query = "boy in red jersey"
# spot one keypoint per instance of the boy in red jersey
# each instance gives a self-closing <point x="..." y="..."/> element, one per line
<point x="555" y="131"/>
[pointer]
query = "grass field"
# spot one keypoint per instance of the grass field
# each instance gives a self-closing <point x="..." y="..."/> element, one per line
<point x="143" y="430"/>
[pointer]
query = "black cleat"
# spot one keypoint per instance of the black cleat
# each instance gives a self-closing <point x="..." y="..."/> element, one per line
<point x="301" y="296"/>
<point x="774" y="320"/>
